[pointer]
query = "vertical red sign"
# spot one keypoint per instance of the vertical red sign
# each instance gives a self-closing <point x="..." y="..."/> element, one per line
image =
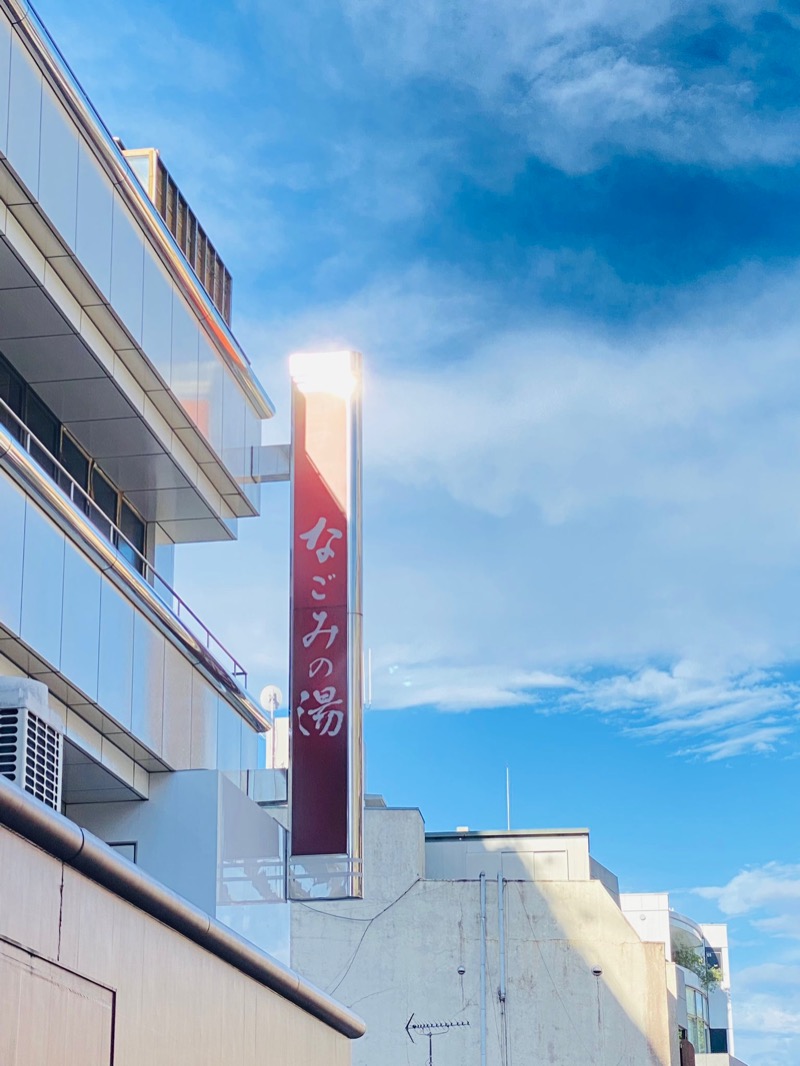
<point x="323" y="702"/>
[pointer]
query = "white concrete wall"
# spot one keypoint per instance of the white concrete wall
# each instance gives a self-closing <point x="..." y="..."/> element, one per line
<point x="648" y="913"/>
<point x="526" y="857"/>
<point x="399" y="951"/>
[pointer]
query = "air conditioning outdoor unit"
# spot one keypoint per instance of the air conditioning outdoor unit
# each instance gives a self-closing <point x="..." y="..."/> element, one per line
<point x="31" y="747"/>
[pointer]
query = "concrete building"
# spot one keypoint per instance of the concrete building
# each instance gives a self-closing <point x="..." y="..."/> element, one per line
<point x="701" y="958"/>
<point x="500" y="948"/>
<point x="132" y="853"/>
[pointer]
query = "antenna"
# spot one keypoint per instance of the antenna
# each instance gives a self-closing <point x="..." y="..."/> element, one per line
<point x="431" y="1029"/>
<point x="270" y="699"/>
<point x="508" y="799"/>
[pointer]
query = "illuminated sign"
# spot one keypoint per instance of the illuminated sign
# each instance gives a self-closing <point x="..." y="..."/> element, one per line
<point x="326" y="646"/>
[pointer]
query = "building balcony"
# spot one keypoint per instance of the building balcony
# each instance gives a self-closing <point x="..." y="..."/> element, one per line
<point x="100" y="311"/>
<point x="127" y="662"/>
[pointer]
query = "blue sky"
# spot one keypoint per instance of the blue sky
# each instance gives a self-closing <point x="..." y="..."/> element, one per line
<point x="567" y="239"/>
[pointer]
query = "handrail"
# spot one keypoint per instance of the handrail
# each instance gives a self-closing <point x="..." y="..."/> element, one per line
<point x="169" y="597"/>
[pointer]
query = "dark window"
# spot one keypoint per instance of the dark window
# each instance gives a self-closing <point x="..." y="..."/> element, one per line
<point x="104" y="494"/>
<point x="105" y="499"/>
<point x="719" y="1041"/>
<point x="11" y="393"/>
<point x="54" y="445"/>
<point x="132" y="528"/>
<point x="43" y="425"/>
<point x="76" y="465"/>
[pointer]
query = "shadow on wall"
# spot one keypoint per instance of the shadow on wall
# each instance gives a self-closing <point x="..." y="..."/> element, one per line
<point x="580" y="987"/>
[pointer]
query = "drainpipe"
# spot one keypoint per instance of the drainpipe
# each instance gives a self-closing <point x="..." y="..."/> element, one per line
<point x="483" y="968"/>
<point x="501" y="939"/>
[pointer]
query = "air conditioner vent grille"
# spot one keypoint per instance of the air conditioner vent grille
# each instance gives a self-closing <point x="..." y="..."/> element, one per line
<point x="9" y="743"/>
<point x="31" y="754"/>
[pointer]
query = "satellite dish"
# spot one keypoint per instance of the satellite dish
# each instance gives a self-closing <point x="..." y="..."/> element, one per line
<point x="271" y="698"/>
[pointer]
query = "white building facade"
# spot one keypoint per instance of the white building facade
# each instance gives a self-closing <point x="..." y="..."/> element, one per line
<point x="502" y="948"/>
<point x="702" y="961"/>
<point x="142" y="890"/>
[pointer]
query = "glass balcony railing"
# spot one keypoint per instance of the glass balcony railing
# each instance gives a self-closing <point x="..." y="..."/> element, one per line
<point x="125" y="549"/>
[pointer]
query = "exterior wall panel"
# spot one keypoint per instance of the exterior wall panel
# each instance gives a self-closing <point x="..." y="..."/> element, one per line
<point x="205" y="714"/>
<point x="127" y="268"/>
<point x="176" y="739"/>
<point x="174" y="1001"/>
<point x="157" y="316"/>
<point x="95" y="207"/>
<point x="229" y="739"/>
<point x="12" y="538"/>
<point x="233" y="429"/>
<point x="52" y="1015"/>
<point x="80" y="642"/>
<point x="115" y="676"/>
<point x="58" y="168"/>
<point x="42" y="586"/>
<point x="185" y="344"/>
<point x="24" y="117"/>
<point x="30" y="889"/>
<point x="147" y="711"/>
<point x="5" y="81"/>
<point x="209" y="395"/>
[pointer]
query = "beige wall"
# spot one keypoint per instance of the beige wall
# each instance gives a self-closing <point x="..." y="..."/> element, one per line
<point x="88" y="953"/>
<point x="414" y="946"/>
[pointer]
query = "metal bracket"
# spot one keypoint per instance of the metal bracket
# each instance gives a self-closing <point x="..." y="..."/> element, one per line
<point x="270" y="462"/>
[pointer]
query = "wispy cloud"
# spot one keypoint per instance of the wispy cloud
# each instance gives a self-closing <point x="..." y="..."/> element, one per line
<point x="545" y="498"/>
<point x="766" y="892"/>
<point x="765" y="900"/>
<point x="576" y="90"/>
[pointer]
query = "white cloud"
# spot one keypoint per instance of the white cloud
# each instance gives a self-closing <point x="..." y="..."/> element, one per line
<point x="772" y="887"/>
<point x="765" y="899"/>
<point x="537" y="68"/>
<point x="544" y="499"/>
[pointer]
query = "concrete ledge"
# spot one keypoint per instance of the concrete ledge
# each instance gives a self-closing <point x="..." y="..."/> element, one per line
<point x="66" y="841"/>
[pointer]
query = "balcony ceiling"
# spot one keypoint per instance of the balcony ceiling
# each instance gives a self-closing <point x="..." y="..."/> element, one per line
<point x="52" y="356"/>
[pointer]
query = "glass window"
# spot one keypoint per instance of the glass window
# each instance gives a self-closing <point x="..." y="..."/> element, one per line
<point x="105" y="497"/>
<point x="75" y="463"/>
<point x="140" y="165"/>
<point x="11" y="393"/>
<point x="105" y="507"/>
<point x="43" y="425"/>
<point x="132" y="528"/>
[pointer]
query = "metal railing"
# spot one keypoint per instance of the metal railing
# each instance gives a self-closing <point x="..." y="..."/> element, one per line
<point x="125" y="549"/>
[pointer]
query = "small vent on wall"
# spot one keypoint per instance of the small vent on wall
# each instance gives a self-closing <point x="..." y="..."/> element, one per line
<point x="31" y="754"/>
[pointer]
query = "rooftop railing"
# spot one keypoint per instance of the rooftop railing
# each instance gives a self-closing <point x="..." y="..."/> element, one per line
<point x="128" y="553"/>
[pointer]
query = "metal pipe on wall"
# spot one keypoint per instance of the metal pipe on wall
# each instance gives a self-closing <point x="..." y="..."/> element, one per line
<point x="483" y="968"/>
<point x="501" y="932"/>
<point x="501" y="937"/>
